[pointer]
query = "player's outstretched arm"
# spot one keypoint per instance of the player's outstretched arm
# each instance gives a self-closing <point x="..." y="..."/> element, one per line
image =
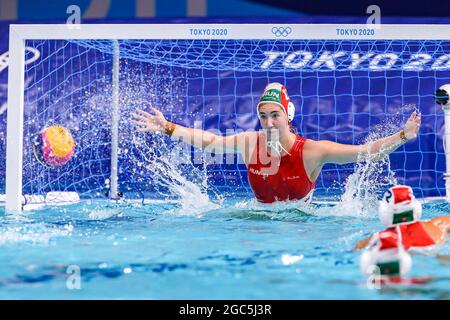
<point x="156" y="122"/>
<point x="442" y="222"/>
<point x="331" y="152"/>
<point x="361" y="244"/>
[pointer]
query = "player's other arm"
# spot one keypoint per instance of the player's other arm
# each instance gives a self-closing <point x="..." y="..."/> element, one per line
<point x="331" y="152"/>
<point x="361" y="244"/>
<point x="442" y="222"/>
<point x="236" y="143"/>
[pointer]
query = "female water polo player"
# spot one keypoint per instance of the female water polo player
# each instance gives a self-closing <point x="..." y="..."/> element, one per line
<point x="281" y="165"/>
<point x="400" y="212"/>
<point x="387" y="263"/>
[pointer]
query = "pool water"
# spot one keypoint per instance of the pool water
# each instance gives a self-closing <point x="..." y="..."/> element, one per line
<point x="236" y="250"/>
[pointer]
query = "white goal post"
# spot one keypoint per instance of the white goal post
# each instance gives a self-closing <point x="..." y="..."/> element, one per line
<point x="20" y="33"/>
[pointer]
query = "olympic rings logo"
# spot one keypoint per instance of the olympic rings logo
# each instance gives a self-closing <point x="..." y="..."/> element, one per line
<point x="280" y="31"/>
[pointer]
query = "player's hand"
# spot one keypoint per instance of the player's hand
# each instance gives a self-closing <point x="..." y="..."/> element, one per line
<point x="361" y="244"/>
<point x="412" y="126"/>
<point x="149" y="122"/>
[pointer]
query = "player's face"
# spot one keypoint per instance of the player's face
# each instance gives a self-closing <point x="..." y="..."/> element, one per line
<point x="272" y="116"/>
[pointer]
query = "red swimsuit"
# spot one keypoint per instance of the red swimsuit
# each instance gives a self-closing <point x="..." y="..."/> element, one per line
<point x="413" y="235"/>
<point x="279" y="180"/>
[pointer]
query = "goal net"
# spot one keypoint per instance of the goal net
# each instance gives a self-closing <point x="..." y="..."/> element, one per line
<point x="346" y="87"/>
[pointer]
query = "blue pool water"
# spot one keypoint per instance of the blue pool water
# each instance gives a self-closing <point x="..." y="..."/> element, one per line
<point x="237" y="250"/>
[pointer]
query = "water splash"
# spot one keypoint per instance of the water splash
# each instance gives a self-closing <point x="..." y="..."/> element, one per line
<point x="167" y="166"/>
<point x="280" y="211"/>
<point x="276" y="207"/>
<point x="371" y="176"/>
<point x="362" y="188"/>
<point x="39" y="233"/>
<point x="103" y="214"/>
<point x="151" y="164"/>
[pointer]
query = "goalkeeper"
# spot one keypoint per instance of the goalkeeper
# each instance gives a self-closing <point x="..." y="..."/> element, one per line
<point x="281" y="164"/>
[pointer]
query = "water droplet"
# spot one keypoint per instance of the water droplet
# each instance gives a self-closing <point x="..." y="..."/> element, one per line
<point x="127" y="270"/>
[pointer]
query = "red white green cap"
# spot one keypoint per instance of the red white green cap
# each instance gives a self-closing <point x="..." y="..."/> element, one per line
<point x="276" y="93"/>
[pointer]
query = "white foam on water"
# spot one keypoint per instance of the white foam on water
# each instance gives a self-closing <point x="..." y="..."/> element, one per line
<point x="103" y="214"/>
<point x="276" y="209"/>
<point x="288" y="259"/>
<point x="39" y="233"/>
